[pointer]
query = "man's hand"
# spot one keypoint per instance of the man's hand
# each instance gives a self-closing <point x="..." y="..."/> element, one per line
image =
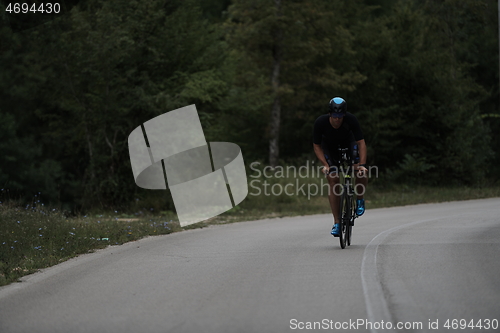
<point x="326" y="169"/>
<point x="362" y="171"/>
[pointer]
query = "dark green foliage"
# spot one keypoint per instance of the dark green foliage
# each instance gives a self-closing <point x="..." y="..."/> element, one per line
<point x="421" y="76"/>
<point x="98" y="73"/>
<point x="21" y="167"/>
<point x="420" y="98"/>
<point x="316" y="47"/>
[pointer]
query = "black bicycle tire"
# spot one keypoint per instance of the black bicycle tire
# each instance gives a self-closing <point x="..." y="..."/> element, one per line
<point x="350" y="236"/>
<point x="347" y="220"/>
<point x="342" y="238"/>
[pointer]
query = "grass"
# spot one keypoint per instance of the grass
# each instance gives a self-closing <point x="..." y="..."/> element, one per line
<point x="33" y="237"/>
<point x="412" y="195"/>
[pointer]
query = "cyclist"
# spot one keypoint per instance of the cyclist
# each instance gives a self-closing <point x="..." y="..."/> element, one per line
<point x="340" y="129"/>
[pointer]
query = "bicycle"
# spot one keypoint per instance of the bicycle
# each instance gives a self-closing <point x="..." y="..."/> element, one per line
<point x="347" y="204"/>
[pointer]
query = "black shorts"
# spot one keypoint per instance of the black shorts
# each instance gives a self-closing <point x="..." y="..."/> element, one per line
<point x="333" y="157"/>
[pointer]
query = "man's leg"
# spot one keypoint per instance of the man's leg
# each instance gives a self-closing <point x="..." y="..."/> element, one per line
<point x="360" y="189"/>
<point x="361" y="183"/>
<point x="334" y="195"/>
<point x="334" y="190"/>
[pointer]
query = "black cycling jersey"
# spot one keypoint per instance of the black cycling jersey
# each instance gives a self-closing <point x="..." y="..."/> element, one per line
<point x="325" y="134"/>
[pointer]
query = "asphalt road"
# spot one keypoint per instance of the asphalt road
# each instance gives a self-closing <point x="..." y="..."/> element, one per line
<point x="409" y="265"/>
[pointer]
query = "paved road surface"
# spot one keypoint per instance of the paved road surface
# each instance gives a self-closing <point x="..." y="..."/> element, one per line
<point x="409" y="264"/>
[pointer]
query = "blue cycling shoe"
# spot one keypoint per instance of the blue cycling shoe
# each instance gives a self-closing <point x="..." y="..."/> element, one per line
<point x="360" y="207"/>
<point x="335" y="230"/>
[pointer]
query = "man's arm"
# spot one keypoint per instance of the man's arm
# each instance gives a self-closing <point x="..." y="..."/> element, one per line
<point x="356" y="130"/>
<point x="321" y="156"/>
<point x="362" y="156"/>
<point x="362" y="151"/>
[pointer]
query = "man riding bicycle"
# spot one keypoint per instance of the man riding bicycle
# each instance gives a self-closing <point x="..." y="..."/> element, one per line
<point x="340" y="129"/>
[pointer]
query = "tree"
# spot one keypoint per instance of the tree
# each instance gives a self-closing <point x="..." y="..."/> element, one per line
<point x="300" y="47"/>
<point x="106" y="68"/>
<point x="419" y="99"/>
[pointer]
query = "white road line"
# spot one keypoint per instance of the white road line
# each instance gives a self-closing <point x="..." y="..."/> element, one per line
<point x="376" y="304"/>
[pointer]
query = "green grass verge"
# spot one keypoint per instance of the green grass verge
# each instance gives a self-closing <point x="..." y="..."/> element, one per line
<point x="408" y="195"/>
<point x="36" y="237"/>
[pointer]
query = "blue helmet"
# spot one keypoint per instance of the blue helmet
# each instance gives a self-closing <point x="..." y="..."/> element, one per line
<point x="338" y="107"/>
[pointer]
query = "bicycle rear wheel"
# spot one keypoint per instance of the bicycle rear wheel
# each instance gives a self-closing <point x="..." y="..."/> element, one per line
<point x="344" y="212"/>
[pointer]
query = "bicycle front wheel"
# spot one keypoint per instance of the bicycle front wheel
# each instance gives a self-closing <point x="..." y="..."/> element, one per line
<point x="349" y="219"/>
<point x="344" y="219"/>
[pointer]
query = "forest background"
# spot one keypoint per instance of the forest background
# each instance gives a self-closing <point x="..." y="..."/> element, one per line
<point x="420" y="75"/>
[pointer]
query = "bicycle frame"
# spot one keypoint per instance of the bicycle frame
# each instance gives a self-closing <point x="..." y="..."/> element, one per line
<point x="346" y="206"/>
